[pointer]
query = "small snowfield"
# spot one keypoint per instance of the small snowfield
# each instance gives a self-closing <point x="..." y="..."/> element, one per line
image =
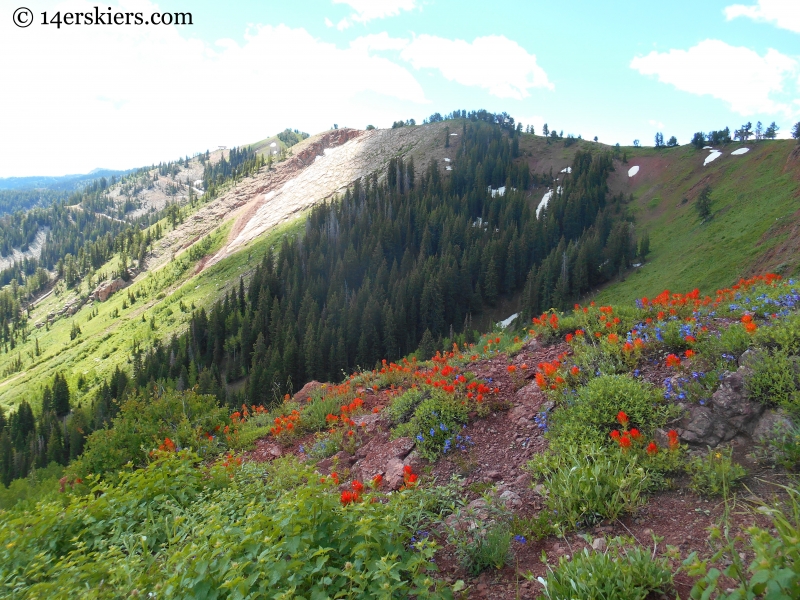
<point x="633" y="171"/>
<point x="567" y="170"/>
<point x="714" y="155"/>
<point x="740" y="151"/>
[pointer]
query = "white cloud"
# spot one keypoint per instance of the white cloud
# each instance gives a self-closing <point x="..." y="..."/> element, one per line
<point x="737" y="75"/>
<point x="366" y="10"/>
<point x="343" y="24"/>
<point x="494" y="63"/>
<point x="151" y="94"/>
<point x="655" y="123"/>
<point x="328" y="22"/>
<point x="378" y="41"/>
<point x="783" y="13"/>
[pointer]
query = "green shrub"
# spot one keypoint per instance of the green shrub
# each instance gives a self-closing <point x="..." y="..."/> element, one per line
<point x="142" y="425"/>
<point x="775" y="381"/>
<point x="774" y="572"/>
<point x="588" y="483"/>
<point x="40" y="483"/>
<point x="592" y="413"/>
<point x="715" y="474"/>
<point x="782" y="446"/>
<point x="783" y="334"/>
<point x="435" y="421"/>
<point x="176" y="530"/>
<point x="622" y="571"/>
<point x="480" y="543"/>
<point x="312" y="417"/>
<point x="403" y="407"/>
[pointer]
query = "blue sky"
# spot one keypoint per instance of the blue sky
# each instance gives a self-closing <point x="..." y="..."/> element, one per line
<point x="117" y="97"/>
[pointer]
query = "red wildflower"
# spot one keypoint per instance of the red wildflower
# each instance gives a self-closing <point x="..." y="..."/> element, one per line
<point x="377" y="480"/>
<point x="574" y="370"/>
<point x="569" y="338"/>
<point x="624" y="442"/>
<point x="357" y="486"/>
<point x="652" y="449"/>
<point x="613" y="338"/>
<point x="511" y="369"/>
<point x="622" y="418"/>
<point x="615" y="435"/>
<point x="347" y="497"/>
<point x="635" y="434"/>
<point x="689" y="353"/>
<point x="673" y="361"/>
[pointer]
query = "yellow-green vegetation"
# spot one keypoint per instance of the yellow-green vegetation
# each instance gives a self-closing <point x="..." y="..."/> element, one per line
<point x="156" y="305"/>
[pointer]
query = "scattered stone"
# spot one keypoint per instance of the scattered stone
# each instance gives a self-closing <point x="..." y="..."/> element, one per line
<point x="510" y="498"/>
<point x="599" y="544"/>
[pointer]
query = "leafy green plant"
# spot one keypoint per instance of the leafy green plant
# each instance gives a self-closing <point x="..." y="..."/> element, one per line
<point x="179" y="529"/>
<point x="782" y="446"/>
<point x="188" y="419"/>
<point x="588" y="483"/>
<point x="403" y="407"/>
<point x="435" y="421"/>
<point x="774" y="572"/>
<point x="591" y="414"/>
<point x="715" y="474"/>
<point x="314" y="413"/>
<point x="783" y="334"/>
<point x="622" y="571"/>
<point x="775" y="381"/>
<point x="481" y="541"/>
<point x="533" y="528"/>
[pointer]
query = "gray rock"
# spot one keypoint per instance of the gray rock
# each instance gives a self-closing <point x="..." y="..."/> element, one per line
<point x="599" y="544"/>
<point x="771" y="422"/>
<point x="510" y="498"/>
<point x="729" y="414"/>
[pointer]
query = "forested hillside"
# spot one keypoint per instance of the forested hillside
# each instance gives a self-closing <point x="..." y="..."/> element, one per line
<point x="399" y="263"/>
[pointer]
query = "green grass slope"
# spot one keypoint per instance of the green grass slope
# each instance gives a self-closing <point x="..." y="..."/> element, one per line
<point x="753" y="228"/>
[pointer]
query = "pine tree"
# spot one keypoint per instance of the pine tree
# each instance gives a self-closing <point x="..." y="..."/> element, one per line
<point x="426" y="346"/>
<point x="60" y="395"/>
<point x="703" y="204"/>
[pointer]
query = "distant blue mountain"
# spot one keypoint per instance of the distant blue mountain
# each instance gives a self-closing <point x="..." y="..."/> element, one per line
<point x="65" y="183"/>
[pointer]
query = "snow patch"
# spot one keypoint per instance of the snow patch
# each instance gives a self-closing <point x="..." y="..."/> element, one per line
<point x="740" y="151"/>
<point x="501" y="191"/>
<point x="708" y="147"/>
<point x="448" y="168"/>
<point x="452" y="134"/>
<point x="633" y="171"/>
<point x="506" y="322"/>
<point x="446" y="160"/>
<point x="567" y="170"/>
<point x="712" y="157"/>
<point x="273" y="145"/>
<point x="545" y="200"/>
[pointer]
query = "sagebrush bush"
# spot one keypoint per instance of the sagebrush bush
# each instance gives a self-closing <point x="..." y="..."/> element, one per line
<point x="623" y="571"/>
<point x="588" y="483"/>
<point x="782" y="446"/>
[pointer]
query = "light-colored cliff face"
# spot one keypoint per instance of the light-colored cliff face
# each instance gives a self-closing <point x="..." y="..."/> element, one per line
<point x="319" y="168"/>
